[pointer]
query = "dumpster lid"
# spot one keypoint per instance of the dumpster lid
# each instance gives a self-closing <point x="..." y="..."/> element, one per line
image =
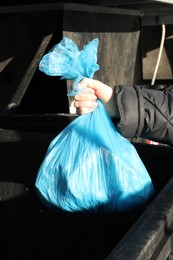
<point x="147" y="7"/>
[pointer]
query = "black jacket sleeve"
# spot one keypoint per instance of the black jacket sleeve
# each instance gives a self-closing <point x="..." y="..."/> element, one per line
<point x="146" y="113"/>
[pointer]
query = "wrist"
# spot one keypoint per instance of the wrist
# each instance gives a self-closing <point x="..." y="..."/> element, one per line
<point x="112" y="106"/>
<point x="104" y="92"/>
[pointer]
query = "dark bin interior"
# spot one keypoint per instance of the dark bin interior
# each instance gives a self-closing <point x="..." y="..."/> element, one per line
<point x="29" y="229"/>
<point x="34" y="108"/>
<point x="28" y="92"/>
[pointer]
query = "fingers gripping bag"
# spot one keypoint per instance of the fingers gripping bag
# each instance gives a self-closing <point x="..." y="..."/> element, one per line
<point x="89" y="167"/>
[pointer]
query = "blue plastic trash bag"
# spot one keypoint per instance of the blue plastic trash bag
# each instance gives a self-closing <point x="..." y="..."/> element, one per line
<point x="89" y="166"/>
<point x="67" y="61"/>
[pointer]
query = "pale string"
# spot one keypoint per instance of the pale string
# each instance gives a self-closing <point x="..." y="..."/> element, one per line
<point x="160" y="53"/>
<point x="157" y="64"/>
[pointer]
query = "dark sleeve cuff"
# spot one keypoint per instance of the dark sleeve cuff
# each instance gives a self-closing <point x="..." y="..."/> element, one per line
<point x="131" y="110"/>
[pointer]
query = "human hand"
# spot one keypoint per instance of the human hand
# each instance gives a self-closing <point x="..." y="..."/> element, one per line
<point x="85" y="102"/>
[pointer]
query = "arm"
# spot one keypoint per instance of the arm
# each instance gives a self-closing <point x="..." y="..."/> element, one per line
<point x="146" y="113"/>
<point x="140" y="112"/>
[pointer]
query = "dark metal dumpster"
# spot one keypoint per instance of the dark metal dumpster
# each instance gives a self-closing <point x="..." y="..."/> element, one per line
<point x="34" y="108"/>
